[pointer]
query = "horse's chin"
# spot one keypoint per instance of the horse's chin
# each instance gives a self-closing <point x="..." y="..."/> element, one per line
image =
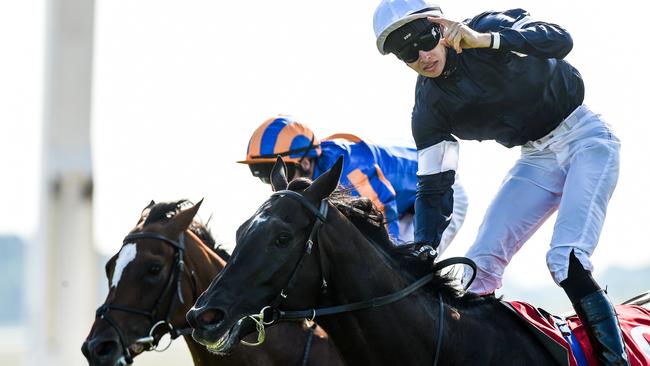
<point x="227" y="342"/>
<point x="136" y="349"/>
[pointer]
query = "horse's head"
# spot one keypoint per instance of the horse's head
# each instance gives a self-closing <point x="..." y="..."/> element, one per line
<point x="269" y="265"/>
<point x="150" y="287"/>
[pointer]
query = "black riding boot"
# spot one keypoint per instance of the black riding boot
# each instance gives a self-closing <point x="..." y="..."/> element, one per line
<point x="599" y="318"/>
<point x="596" y="313"/>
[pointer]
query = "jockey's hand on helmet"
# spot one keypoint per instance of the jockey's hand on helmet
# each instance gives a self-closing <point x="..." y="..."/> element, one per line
<point x="458" y="35"/>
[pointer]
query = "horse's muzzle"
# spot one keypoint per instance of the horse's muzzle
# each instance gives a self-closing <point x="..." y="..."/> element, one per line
<point x="205" y="319"/>
<point x="101" y="351"/>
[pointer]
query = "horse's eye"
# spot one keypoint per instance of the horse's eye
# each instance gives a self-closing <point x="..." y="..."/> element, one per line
<point x="283" y="240"/>
<point x="154" y="269"/>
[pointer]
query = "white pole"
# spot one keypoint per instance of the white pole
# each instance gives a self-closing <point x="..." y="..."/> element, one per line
<point x="62" y="266"/>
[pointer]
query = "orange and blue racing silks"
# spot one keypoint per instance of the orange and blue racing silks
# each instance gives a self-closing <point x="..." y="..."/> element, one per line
<point x="385" y="174"/>
<point x="282" y="136"/>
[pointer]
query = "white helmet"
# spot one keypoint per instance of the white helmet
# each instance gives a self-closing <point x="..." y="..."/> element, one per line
<point x="392" y="14"/>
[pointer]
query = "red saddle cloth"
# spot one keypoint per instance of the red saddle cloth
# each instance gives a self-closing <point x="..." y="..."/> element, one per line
<point x="634" y="320"/>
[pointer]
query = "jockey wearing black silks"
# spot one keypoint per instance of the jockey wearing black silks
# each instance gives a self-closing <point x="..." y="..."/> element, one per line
<point x="502" y="76"/>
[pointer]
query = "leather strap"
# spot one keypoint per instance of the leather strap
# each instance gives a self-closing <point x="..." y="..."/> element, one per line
<point x="376" y="301"/>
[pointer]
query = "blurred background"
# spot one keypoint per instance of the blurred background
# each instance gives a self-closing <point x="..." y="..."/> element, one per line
<point x="106" y="105"/>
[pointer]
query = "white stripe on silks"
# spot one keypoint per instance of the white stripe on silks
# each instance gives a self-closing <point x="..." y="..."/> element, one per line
<point x="126" y="256"/>
<point x="519" y="54"/>
<point x="438" y="158"/>
<point x="522" y="22"/>
<point x="640" y="335"/>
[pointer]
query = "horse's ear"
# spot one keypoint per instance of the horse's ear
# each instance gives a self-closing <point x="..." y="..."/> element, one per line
<point x="182" y="220"/>
<point x="145" y="211"/>
<point x="150" y="205"/>
<point x="324" y="185"/>
<point x="279" y="175"/>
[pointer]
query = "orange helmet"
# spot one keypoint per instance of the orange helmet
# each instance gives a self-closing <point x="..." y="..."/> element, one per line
<point x="281" y="135"/>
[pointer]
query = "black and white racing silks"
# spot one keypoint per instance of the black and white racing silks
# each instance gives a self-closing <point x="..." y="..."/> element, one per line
<point x="515" y="92"/>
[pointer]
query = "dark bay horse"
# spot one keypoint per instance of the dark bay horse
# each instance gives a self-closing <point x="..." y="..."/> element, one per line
<point x="166" y="261"/>
<point x="293" y="254"/>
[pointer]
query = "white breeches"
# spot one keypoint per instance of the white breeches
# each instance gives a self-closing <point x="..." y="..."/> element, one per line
<point x="573" y="170"/>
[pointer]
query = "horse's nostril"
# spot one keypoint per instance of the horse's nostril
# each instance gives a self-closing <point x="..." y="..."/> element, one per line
<point x="205" y="318"/>
<point x="104" y="349"/>
<point x="211" y="317"/>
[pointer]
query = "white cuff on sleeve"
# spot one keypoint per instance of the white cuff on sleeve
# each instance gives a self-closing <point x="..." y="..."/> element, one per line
<point x="438" y="158"/>
<point x="496" y="40"/>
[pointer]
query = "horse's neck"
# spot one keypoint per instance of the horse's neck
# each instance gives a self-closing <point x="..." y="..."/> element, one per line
<point x="205" y="264"/>
<point x="406" y="331"/>
<point x="204" y="261"/>
<point x="359" y="271"/>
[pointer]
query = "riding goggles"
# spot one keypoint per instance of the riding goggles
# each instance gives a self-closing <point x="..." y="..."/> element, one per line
<point x="263" y="171"/>
<point x="407" y="42"/>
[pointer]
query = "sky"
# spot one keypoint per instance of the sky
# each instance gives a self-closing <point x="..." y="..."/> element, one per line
<point x="179" y="86"/>
<point x="22" y="31"/>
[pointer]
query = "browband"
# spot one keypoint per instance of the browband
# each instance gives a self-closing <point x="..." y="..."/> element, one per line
<point x="300" y="198"/>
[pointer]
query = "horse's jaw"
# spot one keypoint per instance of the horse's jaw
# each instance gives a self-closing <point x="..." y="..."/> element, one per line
<point x="224" y="344"/>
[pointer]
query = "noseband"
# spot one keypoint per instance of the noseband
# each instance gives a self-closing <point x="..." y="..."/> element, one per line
<point x="150" y="341"/>
<point x="320" y="215"/>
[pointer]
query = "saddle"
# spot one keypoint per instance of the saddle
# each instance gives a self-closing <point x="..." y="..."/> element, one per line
<point x="567" y="340"/>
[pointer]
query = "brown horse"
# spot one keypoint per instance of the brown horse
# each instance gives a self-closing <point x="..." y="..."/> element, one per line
<point x="166" y="261"/>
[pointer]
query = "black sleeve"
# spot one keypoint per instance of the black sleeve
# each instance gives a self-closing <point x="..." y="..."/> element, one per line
<point x="518" y="32"/>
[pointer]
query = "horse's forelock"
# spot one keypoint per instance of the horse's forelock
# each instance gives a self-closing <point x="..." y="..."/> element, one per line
<point x="299" y="184"/>
<point x="163" y="212"/>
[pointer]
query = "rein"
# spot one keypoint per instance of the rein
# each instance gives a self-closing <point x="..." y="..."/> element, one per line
<point x="320" y="215"/>
<point x="375" y="301"/>
<point x="174" y="278"/>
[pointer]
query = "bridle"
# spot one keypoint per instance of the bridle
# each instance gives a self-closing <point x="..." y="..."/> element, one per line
<point x="151" y="342"/>
<point x="320" y="215"/>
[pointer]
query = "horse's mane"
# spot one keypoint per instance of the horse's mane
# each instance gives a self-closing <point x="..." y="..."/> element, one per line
<point x="371" y="223"/>
<point x="162" y="212"/>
